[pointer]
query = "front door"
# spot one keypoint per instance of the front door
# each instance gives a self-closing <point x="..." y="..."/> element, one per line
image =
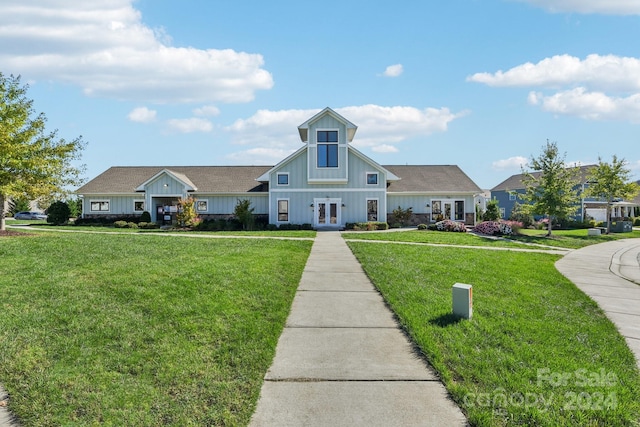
<point x="327" y="212"/>
<point x="447" y="210"/>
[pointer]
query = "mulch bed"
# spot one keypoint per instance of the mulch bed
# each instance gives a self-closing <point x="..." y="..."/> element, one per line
<point x="10" y="233"/>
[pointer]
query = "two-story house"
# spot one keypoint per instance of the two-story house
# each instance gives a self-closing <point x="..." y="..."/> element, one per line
<point x="326" y="183"/>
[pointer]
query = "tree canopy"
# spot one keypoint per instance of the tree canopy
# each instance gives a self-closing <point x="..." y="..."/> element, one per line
<point x="553" y="191"/>
<point x="610" y="182"/>
<point x="34" y="163"/>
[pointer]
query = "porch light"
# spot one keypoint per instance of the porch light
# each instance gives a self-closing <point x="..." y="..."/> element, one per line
<point x="428" y="205"/>
<point x="311" y="205"/>
<point x="343" y="205"/>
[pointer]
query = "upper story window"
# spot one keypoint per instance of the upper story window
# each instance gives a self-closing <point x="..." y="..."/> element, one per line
<point x="372" y="178"/>
<point x="327" y="148"/>
<point x="283" y="179"/>
<point x="512" y="196"/>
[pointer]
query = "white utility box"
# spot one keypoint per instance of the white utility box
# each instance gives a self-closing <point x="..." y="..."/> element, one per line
<point x="462" y="300"/>
<point x="593" y="232"/>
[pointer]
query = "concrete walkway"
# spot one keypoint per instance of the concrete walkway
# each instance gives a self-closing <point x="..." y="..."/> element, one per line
<point x="342" y="359"/>
<point x="610" y="274"/>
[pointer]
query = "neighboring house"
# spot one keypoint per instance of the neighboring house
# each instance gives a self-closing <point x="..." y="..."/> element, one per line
<point x="326" y="183"/>
<point x="507" y="194"/>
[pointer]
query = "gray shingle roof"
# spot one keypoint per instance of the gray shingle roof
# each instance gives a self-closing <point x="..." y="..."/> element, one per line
<point x="431" y="178"/>
<point x="208" y="179"/>
<point x="514" y="182"/>
<point x="240" y="179"/>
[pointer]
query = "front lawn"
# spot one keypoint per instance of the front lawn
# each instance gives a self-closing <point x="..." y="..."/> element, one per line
<point x="573" y="239"/>
<point x="106" y="329"/>
<point x="537" y="350"/>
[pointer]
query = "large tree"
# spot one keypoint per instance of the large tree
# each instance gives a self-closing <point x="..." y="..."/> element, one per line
<point x="34" y="163"/>
<point x="610" y="182"/>
<point x="552" y="188"/>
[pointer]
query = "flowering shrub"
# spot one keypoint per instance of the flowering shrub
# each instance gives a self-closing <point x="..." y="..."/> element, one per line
<point x="448" y="225"/>
<point x="495" y="228"/>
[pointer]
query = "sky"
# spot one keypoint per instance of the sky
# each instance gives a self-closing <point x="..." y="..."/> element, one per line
<point x="482" y="84"/>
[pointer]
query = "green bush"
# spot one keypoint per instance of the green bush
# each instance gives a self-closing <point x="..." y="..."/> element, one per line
<point x="272" y="227"/>
<point x="636" y="222"/>
<point x="120" y="224"/>
<point x="58" y="213"/>
<point x="147" y="225"/>
<point x="145" y="217"/>
<point x="422" y="226"/>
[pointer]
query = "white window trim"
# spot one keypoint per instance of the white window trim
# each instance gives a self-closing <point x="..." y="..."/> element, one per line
<point x="453" y="208"/>
<point x="278" y="180"/>
<point x="512" y="197"/>
<point x="278" y="211"/>
<point x="366" y="177"/>
<point x="206" y="205"/>
<point x="134" y="205"/>
<point x="107" y="201"/>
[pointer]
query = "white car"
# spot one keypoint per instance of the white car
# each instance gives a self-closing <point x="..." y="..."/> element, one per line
<point x="30" y="215"/>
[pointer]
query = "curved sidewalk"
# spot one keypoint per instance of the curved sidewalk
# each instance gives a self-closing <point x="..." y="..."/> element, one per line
<point x="342" y="359"/>
<point x="610" y="274"/>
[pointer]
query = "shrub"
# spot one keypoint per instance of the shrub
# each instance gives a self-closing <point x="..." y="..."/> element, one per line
<point x="636" y="222"/>
<point x="422" y="226"/>
<point x="492" y="213"/>
<point x="272" y="227"/>
<point x="495" y="228"/>
<point x="402" y="215"/>
<point x="244" y="213"/>
<point x="367" y="226"/>
<point x="58" y="213"/>
<point x="145" y="217"/>
<point x="120" y="224"/>
<point x="449" y="225"/>
<point x="147" y="225"/>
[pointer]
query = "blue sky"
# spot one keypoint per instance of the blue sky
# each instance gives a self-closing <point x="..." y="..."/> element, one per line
<point x="481" y="84"/>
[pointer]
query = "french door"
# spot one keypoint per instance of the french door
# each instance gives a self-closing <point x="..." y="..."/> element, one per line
<point x="327" y="212"/>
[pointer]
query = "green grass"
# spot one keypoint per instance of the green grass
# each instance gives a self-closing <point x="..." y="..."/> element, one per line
<point x="529" y="322"/>
<point x="106" y="329"/>
<point x="573" y="239"/>
<point x="42" y="226"/>
<point x="436" y="237"/>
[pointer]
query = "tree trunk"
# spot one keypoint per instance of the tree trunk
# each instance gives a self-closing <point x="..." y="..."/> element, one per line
<point x="2" y="213"/>
<point x="549" y="227"/>
<point x="609" y="217"/>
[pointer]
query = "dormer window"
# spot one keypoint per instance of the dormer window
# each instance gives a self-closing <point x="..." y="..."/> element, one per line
<point x="327" y="148"/>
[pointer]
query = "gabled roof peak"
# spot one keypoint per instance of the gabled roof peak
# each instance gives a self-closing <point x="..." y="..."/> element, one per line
<point x="303" y="129"/>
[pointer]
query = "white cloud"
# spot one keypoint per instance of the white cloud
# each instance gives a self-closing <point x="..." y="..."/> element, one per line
<point x="259" y="156"/>
<point x="207" y="110"/>
<point x="607" y="7"/>
<point x="385" y="148"/>
<point x="379" y="128"/>
<point x="606" y="72"/>
<point x="104" y="47"/>
<point x="393" y="70"/>
<point x="190" y="125"/>
<point x="142" y="115"/>
<point x="596" y="88"/>
<point x="512" y="163"/>
<point x="591" y="105"/>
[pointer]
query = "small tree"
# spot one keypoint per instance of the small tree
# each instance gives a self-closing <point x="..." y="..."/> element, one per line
<point x="611" y="181"/>
<point x="58" y="213"/>
<point x="553" y="191"/>
<point x="492" y="213"/>
<point x="75" y="206"/>
<point x="33" y="163"/>
<point x="244" y="213"/>
<point x="522" y="213"/>
<point x="402" y="215"/>
<point x="187" y="216"/>
<point x="145" y="217"/>
<point x="19" y="204"/>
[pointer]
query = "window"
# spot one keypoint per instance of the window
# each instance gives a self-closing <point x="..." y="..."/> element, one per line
<point x="138" y="205"/>
<point x="512" y="196"/>
<point x="327" y="136"/>
<point x="327" y="148"/>
<point x="283" y="179"/>
<point x="502" y="213"/>
<point x="283" y="210"/>
<point x="372" y="209"/>
<point x="327" y="155"/>
<point x="202" y="206"/>
<point x="372" y="178"/>
<point x="99" y="206"/>
<point x="459" y="210"/>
